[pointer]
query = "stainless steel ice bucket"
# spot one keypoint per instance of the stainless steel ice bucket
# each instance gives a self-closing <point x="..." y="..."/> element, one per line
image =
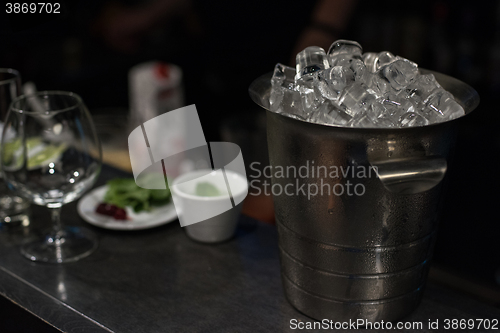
<point x="365" y="255"/>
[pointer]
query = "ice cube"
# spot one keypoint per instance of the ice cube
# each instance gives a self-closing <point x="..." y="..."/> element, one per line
<point x="276" y="98"/>
<point x="340" y="60"/>
<point x="379" y="115"/>
<point x="440" y="106"/>
<point x="292" y="105"/>
<point x="374" y="61"/>
<point x="456" y="110"/>
<point x="384" y="58"/>
<point x="355" y="98"/>
<point x="362" y="119"/>
<point x="399" y="73"/>
<point x="375" y="110"/>
<point x="310" y="60"/>
<point x="330" y="82"/>
<point x="359" y="70"/>
<point x="344" y="46"/>
<point x="342" y="51"/>
<point x="328" y="113"/>
<point x="412" y="119"/>
<point x="385" y="122"/>
<point x="378" y="84"/>
<point x="396" y="106"/>
<point x="309" y="98"/>
<point x="283" y="83"/>
<point x="283" y="74"/>
<point x="285" y="99"/>
<point x="370" y="59"/>
<point x="421" y="87"/>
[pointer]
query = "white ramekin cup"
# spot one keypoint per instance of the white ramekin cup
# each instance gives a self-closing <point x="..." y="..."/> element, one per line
<point x="209" y="219"/>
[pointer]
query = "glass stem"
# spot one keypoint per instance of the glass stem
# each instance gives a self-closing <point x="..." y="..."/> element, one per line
<point x="56" y="222"/>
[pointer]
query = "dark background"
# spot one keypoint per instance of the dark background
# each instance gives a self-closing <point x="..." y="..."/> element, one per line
<point x="222" y="46"/>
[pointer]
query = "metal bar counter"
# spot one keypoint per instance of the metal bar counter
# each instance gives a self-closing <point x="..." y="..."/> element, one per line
<point x="158" y="280"/>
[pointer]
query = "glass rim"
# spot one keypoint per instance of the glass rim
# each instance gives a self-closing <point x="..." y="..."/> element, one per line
<point x="78" y="101"/>
<point x="15" y="73"/>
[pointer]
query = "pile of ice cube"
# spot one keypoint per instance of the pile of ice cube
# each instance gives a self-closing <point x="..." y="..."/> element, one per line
<point x="349" y="88"/>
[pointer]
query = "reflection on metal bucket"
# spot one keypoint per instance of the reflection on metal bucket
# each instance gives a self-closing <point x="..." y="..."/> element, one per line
<point x="362" y="256"/>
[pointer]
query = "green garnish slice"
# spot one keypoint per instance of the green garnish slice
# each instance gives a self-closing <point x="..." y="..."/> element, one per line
<point x="206" y="189"/>
<point x="124" y="192"/>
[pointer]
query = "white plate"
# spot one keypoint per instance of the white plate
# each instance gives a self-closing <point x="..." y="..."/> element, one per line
<point x="144" y="220"/>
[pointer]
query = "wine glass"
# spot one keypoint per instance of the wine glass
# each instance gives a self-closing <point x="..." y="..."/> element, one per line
<point x="50" y="154"/>
<point x="13" y="209"/>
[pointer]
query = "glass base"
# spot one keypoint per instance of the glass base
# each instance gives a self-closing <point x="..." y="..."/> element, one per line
<point x="14" y="211"/>
<point x="68" y="245"/>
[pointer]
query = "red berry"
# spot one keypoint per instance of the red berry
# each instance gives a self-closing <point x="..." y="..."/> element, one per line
<point x="106" y="209"/>
<point x="120" y="214"/>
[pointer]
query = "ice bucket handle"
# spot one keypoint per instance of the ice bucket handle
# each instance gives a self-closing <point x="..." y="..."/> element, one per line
<point x="411" y="175"/>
